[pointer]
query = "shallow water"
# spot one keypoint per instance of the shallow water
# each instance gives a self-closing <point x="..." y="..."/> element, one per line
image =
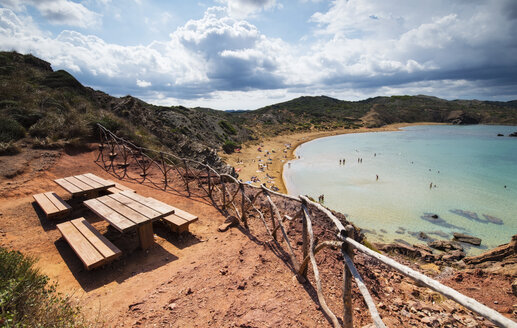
<point x="468" y="167"/>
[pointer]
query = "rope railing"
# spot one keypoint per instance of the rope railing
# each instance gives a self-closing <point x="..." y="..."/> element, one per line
<point x="194" y="178"/>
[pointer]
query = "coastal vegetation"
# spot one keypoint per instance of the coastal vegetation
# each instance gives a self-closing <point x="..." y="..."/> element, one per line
<point x="51" y="109"/>
<point x="27" y="299"/>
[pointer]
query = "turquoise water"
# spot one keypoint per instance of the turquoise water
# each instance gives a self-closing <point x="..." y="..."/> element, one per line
<point x="470" y="166"/>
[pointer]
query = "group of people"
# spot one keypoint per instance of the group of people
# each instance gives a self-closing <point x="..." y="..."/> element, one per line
<point x="321" y="198"/>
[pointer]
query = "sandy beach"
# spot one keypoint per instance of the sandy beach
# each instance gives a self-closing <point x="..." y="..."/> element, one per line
<point x="262" y="161"/>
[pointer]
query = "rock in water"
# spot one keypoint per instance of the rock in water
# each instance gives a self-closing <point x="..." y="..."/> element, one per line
<point x="445" y="245"/>
<point x="513" y="134"/>
<point x="467" y="239"/>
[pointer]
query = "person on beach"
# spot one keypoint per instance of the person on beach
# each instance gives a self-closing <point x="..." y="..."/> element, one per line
<point x="377" y="177"/>
<point x="340" y="162"/>
<point x="431" y="185"/>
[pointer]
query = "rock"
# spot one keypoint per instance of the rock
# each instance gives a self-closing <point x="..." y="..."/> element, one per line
<point x="467" y="239"/>
<point x="493" y="219"/>
<point x="230" y="221"/>
<point x="497" y="254"/>
<point x="514" y="287"/>
<point x="513" y="134"/>
<point x="434" y="216"/>
<point x="500" y="135"/>
<point x="452" y="256"/>
<point x="445" y="245"/>
<point x="171" y="306"/>
<point x="423" y="247"/>
<point x="423" y="235"/>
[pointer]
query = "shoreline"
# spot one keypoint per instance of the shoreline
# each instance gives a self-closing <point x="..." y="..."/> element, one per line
<point x="274" y="153"/>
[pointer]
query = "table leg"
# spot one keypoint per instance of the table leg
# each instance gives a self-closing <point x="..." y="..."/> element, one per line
<point x="146" y="235"/>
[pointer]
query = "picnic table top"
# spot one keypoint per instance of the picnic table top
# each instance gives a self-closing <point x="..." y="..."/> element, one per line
<point x="127" y="209"/>
<point x="82" y="183"/>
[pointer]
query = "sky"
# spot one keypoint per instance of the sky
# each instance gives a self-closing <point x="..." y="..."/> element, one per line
<point x="246" y="54"/>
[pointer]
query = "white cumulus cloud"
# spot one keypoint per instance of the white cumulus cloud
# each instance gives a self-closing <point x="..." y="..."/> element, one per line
<point x="143" y="84"/>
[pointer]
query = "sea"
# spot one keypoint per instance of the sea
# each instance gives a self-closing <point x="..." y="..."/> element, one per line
<point x="435" y="179"/>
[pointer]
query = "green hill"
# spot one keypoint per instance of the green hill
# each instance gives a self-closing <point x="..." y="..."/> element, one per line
<point x="40" y="107"/>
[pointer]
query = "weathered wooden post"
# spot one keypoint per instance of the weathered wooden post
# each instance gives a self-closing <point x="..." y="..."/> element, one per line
<point x="164" y="167"/>
<point x="348" y="320"/>
<point x="209" y="182"/>
<point x="243" y="205"/>
<point x="305" y="239"/>
<point x="275" y="235"/>
<point x="186" y="176"/>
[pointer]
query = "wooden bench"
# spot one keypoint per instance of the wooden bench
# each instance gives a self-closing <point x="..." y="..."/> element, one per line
<point x="118" y="188"/>
<point x="180" y="220"/>
<point x="52" y="204"/>
<point x="92" y="248"/>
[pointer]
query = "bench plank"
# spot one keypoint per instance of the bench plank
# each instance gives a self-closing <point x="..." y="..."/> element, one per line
<point x="68" y="186"/>
<point x="114" y="218"/>
<point x="92" y="183"/>
<point x="180" y="220"/>
<point x="60" y="204"/>
<point x="150" y="202"/>
<point x="88" y="254"/>
<point x="121" y="209"/>
<point x="78" y="183"/>
<point x="118" y="188"/>
<point x="104" y="182"/>
<point x="103" y="245"/>
<point x="140" y="208"/>
<point x="46" y="205"/>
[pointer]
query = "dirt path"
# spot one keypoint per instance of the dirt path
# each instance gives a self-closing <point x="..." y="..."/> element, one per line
<point x="222" y="279"/>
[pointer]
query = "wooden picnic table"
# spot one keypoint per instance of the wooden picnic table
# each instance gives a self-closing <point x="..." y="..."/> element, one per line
<point x="127" y="210"/>
<point x="84" y="184"/>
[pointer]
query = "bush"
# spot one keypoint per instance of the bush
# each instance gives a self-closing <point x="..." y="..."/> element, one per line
<point x="10" y="130"/>
<point x="230" y="146"/>
<point x="227" y="127"/>
<point x="8" y="148"/>
<point x="28" y="300"/>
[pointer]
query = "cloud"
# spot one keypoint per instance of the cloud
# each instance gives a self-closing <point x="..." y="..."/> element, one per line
<point x="62" y="12"/>
<point x="245" y="8"/>
<point x="143" y="84"/>
<point x="357" y="49"/>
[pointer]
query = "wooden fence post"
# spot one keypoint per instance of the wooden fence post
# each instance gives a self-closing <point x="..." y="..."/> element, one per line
<point x="305" y="239"/>
<point x="186" y="176"/>
<point x="348" y="319"/>
<point x="275" y="235"/>
<point x="243" y="206"/>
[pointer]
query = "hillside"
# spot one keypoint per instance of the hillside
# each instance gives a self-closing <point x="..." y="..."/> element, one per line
<point x="51" y="109"/>
<point x="43" y="108"/>
<point x="324" y="113"/>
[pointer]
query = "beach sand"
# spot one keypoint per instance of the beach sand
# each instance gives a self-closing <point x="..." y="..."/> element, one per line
<point x="246" y="162"/>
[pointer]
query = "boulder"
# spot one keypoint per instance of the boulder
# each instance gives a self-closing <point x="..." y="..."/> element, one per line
<point x="452" y="256"/>
<point x="445" y="245"/>
<point x="513" y="134"/>
<point x="467" y="239"/>
<point x="497" y="254"/>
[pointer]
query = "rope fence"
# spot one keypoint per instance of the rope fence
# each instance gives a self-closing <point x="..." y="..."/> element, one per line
<point x="193" y="178"/>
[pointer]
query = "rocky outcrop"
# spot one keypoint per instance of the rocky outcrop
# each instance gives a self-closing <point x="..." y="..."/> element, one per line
<point x="513" y="134"/>
<point x="460" y="117"/>
<point x="416" y="251"/>
<point x="467" y="239"/>
<point x="497" y="254"/>
<point x="445" y="245"/>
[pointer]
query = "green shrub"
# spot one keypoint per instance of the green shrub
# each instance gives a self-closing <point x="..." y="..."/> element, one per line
<point x="227" y="127"/>
<point x="8" y="148"/>
<point x="28" y="300"/>
<point x="10" y="130"/>
<point x="51" y="126"/>
<point x="230" y="146"/>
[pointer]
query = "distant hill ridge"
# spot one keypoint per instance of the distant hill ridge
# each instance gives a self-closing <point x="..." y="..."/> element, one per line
<point x="45" y="108"/>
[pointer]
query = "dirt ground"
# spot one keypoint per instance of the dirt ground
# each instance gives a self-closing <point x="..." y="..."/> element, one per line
<point x="238" y="278"/>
